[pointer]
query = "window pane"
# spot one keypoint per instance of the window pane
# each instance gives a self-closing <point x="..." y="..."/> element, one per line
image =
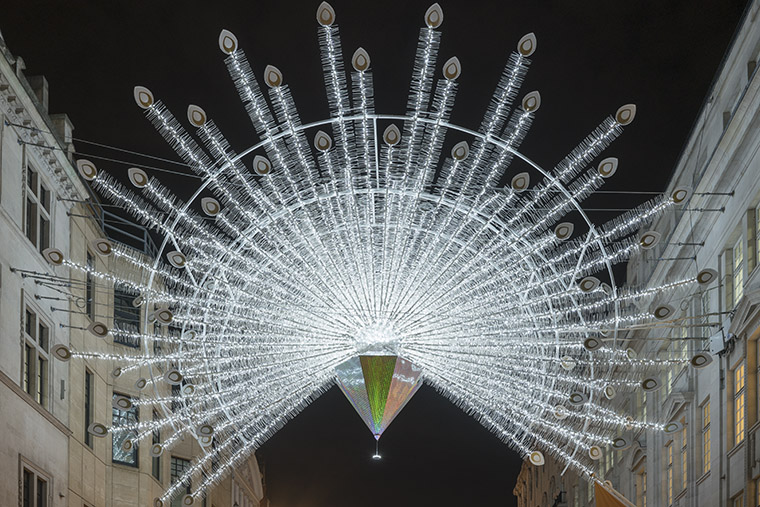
<point x="41" y="493"/>
<point x="90" y="289"/>
<point x="738" y="271"/>
<point x="30" y="324"/>
<point x="41" y="380"/>
<point x="739" y="418"/>
<point x="44" y="197"/>
<point x="31" y="180"/>
<point x="44" y="233"/>
<point x="43" y="336"/>
<point x="28" y="367"/>
<point x="178" y="468"/>
<point x="87" y="407"/>
<point x="31" y="221"/>
<point x="156" y="439"/>
<point x="123" y="418"/>
<point x="28" y="487"/>
<point x="739" y="378"/>
<point x="125" y="317"/>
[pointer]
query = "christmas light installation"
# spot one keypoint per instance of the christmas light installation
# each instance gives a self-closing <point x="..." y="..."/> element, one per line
<point x="357" y="250"/>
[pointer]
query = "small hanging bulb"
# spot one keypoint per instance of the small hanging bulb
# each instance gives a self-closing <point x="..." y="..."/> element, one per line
<point x="377" y="456"/>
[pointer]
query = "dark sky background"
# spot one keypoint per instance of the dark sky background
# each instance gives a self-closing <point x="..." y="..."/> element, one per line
<point x="592" y="57"/>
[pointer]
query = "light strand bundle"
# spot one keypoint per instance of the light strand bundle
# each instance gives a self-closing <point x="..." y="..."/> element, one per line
<point x="358" y="231"/>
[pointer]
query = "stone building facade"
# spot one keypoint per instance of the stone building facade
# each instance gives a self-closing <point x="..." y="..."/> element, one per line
<point x="715" y="460"/>
<point x="36" y="189"/>
<point x="47" y="457"/>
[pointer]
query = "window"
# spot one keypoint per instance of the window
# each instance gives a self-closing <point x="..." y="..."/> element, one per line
<point x="156" y="466"/>
<point x="738" y="501"/>
<point x="684" y="343"/>
<point x="668" y="382"/>
<point x="123" y="418"/>
<point x="644" y="489"/>
<point x="37" y="212"/>
<point x="739" y="404"/>
<point x="89" y="296"/>
<point x="35" y="356"/>
<point x="684" y="455"/>
<point x="642" y="402"/>
<point x="704" y="301"/>
<point x="125" y="317"/>
<point x="738" y="272"/>
<point x="88" y="379"/>
<point x="641" y="486"/>
<point x="178" y="468"/>
<point x="669" y="470"/>
<point x="176" y="398"/>
<point x="706" y="444"/>
<point x="34" y="488"/>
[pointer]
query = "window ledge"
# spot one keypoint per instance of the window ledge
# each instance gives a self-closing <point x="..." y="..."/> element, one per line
<point x="703" y="478"/>
<point x="736" y="448"/>
<point x="5" y="379"/>
<point x="125" y="466"/>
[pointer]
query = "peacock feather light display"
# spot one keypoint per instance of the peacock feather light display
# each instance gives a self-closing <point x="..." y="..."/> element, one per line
<point x="354" y="250"/>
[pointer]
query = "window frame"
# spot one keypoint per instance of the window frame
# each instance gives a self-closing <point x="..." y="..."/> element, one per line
<point x="669" y="472"/>
<point x="737" y="271"/>
<point x="37" y="475"/>
<point x="704" y="310"/>
<point x="89" y="379"/>
<point x="89" y="290"/>
<point x="36" y="194"/>
<point x="125" y="313"/>
<point x="156" y="460"/>
<point x="176" y="501"/>
<point x="739" y="400"/>
<point x="115" y="412"/>
<point x="706" y="437"/>
<point x="35" y="380"/>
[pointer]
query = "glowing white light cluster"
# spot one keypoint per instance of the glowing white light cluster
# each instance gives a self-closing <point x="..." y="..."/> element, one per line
<point x="371" y="238"/>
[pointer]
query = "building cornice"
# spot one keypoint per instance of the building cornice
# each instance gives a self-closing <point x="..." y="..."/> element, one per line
<point x="19" y="108"/>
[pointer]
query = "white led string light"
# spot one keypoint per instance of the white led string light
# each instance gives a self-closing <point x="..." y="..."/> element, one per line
<point x="349" y="236"/>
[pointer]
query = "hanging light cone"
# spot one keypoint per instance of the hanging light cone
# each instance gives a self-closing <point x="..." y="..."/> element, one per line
<point x="378" y="387"/>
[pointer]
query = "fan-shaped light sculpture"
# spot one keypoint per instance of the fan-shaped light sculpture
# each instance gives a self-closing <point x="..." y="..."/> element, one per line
<point x="358" y="249"/>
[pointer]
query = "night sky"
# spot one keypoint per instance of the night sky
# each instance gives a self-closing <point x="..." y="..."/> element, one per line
<point x="592" y="57"/>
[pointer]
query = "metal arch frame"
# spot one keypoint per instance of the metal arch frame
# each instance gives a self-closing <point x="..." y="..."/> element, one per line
<point x="497" y="141"/>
